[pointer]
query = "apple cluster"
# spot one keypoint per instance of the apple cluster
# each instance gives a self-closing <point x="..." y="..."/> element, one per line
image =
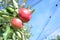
<point x="24" y="16"/>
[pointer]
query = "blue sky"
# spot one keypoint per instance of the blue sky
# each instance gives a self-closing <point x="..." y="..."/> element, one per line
<point x="45" y="20"/>
<point x="41" y="18"/>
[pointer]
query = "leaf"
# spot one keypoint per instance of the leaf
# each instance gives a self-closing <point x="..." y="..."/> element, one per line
<point x="2" y="20"/>
<point x="22" y="35"/>
<point x="4" y="12"/>
<point x="6" y="33"/>
<point x="17" y="0"/>
<point x="32" y="10"/>
<point x="15" y="4"/>
<point x="1" y="12"/>
<point x="53" y="39"/>
<point x="19" y="35"/>
<point x="28" y="7"/>
<point x="10" y="10"/>
<point x="22" y="5"/>
<point x="1" y="4"/>
<point x="14" y="36"/>
<point x="5" y="3"/>
<point x="58" y="37"/>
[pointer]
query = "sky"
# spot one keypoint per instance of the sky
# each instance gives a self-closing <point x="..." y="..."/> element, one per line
<point x="45" y="20"/>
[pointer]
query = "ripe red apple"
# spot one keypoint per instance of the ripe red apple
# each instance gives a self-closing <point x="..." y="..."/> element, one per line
<point x="16" y="23"/>
<point x="24" y="14"/>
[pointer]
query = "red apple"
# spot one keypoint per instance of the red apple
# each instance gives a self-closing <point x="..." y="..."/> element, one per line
<point x="24" y="14"/>
<point x="16" y="23"/>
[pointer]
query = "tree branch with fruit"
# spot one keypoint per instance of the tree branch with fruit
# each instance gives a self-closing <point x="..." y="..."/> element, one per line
<point x="12" y="19"/>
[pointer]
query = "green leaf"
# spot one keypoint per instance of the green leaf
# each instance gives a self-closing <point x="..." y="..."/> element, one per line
<point x="4" y="12"/>
<point x="13" y="36"/>
<point x="1" y="12"/>
<point x="10" y="10"/>
<point x="6" y="33"/>
<point x="58" y="37"/>
<point x="17" y="0"/>
<point x="19" y="35"/>
<point x="32" y="10"/>
<point x="15" y="4"/>
<point x="28" y="7"/>
<point x="0" y="4"/>
<point x="5" y="3"/>
<point x="22" y="35"/>
<point x="2" y="20"/>
<point x="53" y="39"/>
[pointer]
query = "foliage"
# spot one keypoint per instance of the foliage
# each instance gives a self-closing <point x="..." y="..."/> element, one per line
<point x="57" y="38"/>
<point x="10" y="10"/>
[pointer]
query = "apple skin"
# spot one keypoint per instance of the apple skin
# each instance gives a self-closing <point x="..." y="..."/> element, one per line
<point x="24" y="14"/>
<point x="16" y="23"/>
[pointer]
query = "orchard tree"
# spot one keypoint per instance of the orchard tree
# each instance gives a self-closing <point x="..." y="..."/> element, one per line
<point x="13" y="19"/>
